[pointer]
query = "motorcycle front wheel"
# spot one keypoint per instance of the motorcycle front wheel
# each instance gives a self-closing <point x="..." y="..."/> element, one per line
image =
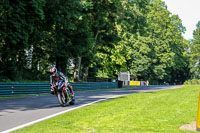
<point x="61" y="99"/>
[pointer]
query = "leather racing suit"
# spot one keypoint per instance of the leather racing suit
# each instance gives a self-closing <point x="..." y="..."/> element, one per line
<point x="59" y="76"/>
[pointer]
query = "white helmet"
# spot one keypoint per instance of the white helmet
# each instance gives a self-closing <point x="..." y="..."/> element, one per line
<point x="53" y="69"/>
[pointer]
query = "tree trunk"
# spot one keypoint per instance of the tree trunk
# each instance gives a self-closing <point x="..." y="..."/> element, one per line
<point x="96" y="36"/>
<point x="77" y="69"/>
<point x="85" y="74"/>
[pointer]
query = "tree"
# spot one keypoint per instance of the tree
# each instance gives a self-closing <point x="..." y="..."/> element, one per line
<point x="17" y="23"/>
<point x="99" y="37"/>
<point x="167" y="44"/>
<point x="113" y="47"/>
<point x="67" y="30"/>
<point x="194" y="53"/>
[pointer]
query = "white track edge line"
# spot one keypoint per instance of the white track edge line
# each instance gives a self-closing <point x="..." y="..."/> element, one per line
<point x="59" y="113"/>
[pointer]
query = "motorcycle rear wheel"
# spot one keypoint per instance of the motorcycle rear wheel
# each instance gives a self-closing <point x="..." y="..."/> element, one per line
<point x="73" y="101"/>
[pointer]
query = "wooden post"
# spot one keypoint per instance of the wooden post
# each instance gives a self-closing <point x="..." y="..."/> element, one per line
<point x="198" y="116"/>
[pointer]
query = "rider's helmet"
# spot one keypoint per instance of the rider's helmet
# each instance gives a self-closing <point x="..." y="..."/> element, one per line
<point x="53" y="69"/>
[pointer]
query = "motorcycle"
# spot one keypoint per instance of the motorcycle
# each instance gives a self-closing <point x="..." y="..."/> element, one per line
<point x="63" y="93"/>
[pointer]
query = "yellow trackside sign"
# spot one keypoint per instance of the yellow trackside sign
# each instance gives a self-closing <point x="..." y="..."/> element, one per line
<point x="135" y="83"/>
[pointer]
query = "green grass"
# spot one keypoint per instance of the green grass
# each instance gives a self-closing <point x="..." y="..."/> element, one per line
<point x="161" y="112"/>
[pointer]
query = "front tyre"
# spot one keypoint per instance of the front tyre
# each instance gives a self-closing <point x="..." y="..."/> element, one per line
<point x="61" y="99"/>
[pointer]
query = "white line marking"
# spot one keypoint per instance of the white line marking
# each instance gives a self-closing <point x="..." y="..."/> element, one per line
<point x="51" y="116"/>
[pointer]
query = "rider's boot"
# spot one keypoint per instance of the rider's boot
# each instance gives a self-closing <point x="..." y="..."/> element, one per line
<point x="71" y="90"/>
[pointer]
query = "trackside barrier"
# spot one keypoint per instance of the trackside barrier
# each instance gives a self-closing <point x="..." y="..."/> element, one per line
<point x="135" y="83"/>
<point x="13" y="89"/>
<point x="138" y="83"/>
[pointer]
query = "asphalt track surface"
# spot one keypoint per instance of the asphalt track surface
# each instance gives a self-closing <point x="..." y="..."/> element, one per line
<point x="21" y="112"/>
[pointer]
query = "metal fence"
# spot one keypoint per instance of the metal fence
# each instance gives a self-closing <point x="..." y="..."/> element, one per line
<point x="14" y="89"/>
<point x="98" y="79"/>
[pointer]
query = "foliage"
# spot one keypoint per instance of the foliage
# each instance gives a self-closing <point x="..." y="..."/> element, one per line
<point x="192" y="82"/>
<point x="194" y="53"/>
<point x="17" y="22"/>
<point x="167" y="44"/>
<point x="94" y="38"/>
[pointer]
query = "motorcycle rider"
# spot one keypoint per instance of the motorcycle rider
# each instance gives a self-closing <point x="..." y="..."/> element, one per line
<point x="56" y="75"/>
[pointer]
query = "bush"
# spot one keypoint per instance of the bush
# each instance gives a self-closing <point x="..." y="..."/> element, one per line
<point x="192" y="82"/>
<point x="4" y="79"/>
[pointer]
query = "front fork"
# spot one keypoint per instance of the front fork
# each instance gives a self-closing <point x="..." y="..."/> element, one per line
<point x="66" y="93"/>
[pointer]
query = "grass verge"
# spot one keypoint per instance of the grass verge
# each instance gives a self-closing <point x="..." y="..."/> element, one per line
<point x="162" y="112"/>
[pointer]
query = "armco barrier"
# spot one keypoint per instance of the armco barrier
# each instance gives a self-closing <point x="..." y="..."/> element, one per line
<point x="13" y="89"/>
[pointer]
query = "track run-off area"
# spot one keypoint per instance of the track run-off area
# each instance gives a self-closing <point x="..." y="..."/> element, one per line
<point x="20" y="112"/>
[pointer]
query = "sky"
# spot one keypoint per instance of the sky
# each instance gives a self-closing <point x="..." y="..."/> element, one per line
<point x="188" y="11"/>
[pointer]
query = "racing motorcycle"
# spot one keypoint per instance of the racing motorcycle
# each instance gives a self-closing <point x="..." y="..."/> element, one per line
<point x="63" y="93"/>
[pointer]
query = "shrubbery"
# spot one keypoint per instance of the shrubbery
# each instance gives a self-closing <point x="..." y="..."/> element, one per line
<point x="192" y="82"/>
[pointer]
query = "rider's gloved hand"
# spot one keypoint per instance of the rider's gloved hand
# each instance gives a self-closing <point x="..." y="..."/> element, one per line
<point x="52" y="90"/>
<point x="52" y="87"/>
<point x="66" y="84"/>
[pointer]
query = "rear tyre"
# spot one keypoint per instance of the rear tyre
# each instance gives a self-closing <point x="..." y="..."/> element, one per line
<point x="73" y="101"/>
